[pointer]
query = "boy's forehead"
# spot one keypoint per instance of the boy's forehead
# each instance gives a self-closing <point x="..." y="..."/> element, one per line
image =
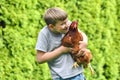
<point x="63" y="21"/>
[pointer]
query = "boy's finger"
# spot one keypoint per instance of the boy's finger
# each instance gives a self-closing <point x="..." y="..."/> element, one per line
<point x="80" y="53"/>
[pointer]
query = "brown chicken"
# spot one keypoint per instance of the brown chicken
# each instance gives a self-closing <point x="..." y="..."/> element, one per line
<point x="72" y="39"/>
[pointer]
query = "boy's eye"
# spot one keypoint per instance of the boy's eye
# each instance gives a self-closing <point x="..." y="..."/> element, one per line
<point x="63" y="23"/>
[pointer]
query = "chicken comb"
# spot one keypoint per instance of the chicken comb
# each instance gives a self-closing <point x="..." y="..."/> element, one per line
<point x="73" y="25"/>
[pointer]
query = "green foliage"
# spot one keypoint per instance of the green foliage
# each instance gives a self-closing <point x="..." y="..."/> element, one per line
<point x="21" y="20"/>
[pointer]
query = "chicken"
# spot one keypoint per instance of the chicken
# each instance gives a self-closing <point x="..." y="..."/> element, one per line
<point x="72" y="39"/>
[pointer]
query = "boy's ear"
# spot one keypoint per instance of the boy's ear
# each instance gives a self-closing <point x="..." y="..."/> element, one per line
<point x="51" y="26"/>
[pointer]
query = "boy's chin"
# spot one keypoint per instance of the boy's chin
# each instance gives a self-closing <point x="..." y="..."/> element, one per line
<point x="64" y="32"/>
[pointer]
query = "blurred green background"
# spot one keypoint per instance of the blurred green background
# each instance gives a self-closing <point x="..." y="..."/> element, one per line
<point x="21" y="20"/>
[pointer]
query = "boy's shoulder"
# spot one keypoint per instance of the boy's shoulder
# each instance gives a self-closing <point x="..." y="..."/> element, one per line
<point x="44" y="30"/>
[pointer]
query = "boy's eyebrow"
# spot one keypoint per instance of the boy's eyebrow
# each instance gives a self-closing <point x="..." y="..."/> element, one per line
<point x="64" y="21"/>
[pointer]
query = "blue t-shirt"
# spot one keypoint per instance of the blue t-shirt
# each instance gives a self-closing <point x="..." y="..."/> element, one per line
<point x="61" y="66"/>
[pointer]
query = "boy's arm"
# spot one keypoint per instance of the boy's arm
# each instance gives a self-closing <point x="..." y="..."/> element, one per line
<point x="85" y="39"/>
<point x="83" y="43"/>
<point x="47" y="56"/>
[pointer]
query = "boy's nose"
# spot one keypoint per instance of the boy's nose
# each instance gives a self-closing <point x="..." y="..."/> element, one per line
<point x="68" y="23"/>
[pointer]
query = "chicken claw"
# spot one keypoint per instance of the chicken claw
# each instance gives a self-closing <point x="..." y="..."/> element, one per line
<point x="91" y="69"/>
<point x="75" y="65"/>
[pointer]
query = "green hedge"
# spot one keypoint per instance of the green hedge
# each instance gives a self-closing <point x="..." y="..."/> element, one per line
<point x="21" y="20"/>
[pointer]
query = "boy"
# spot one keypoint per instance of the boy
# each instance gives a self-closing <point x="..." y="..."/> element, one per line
<point x="50" y="50"/>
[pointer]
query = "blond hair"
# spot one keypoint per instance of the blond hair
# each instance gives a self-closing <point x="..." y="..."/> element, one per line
<point x="52" y="15"/>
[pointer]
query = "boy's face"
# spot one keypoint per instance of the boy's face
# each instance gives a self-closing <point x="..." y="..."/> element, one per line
<point x="61" y="27"/>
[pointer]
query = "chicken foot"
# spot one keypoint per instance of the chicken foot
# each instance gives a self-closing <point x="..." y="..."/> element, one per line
<point x="75" y="65"/>
<point x="91" y="69"/>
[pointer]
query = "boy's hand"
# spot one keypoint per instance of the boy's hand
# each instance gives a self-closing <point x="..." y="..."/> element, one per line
<point x="81" y="53"/>
<point x="83" y="47"/>
<point x="65" y="49"/>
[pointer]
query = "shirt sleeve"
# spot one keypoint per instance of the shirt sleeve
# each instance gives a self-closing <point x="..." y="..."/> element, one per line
<point x="41" y="42"/>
